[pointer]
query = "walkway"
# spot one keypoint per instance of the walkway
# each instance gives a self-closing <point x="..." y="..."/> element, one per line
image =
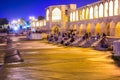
<point x="50" y="62"/>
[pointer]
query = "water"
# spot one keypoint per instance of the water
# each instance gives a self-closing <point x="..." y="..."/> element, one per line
<point x="62" y="63"/>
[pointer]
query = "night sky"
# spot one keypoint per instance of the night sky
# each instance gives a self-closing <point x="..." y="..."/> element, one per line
<point x="14" y="9"/>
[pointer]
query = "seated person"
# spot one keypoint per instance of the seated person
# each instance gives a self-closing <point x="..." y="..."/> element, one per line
<point x="104" y="43"/>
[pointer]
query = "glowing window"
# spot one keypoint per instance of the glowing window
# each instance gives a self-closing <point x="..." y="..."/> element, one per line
<point x="40" y="23"/>
<point x="56" y="14"/>
<point x="87" y="13"/>
<point x="96" y="12"/>
<point x="44" y="22"/>
<point x="111" y="8"/>
<point x="80" y="14"/>
<point x="101" y="10"/>
<point x="47" y="15"/>
<point x="83" y="14"/>
<point x="37" y="24"/>
<point x="76" y="15"/>
<point x="71" y="17"/>
<point x="33" y="24"/>
<point x="106" y="10"/>
<point x="116" y="7"/>
<point x="91" y="13"/>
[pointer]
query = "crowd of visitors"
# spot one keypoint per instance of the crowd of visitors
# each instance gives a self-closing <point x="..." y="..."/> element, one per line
<point x="69" y="37"/>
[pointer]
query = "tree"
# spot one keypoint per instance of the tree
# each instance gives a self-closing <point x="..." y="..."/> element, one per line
<point x="40" y="18"/>
<point x="3" y="21"/>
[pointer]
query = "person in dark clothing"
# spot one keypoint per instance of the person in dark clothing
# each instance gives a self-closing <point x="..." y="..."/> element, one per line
<point x="104" y="42"/>
<point x="103" y="35"/>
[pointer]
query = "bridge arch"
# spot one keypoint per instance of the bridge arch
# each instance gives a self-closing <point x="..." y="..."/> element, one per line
<point x="112" y="28"/>
<point x="55" y="29"/>
<point x="98" y="28"/>
<point x="117" y="30"/>
<point x="88" y="30"/>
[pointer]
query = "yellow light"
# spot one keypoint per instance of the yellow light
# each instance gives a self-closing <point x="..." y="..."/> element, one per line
<point x="71" y="17"/>
<point x="116" y="7"/>
<point x="37" y="24"/>
<point x="83" y="14"/>
<point x="76" y="15"/>
<point x="91" y="13"/>
<point x="56" y="14"/>
<point x="96" y="11"/>
<point x="106" y="10"/>
<point x="101" y="10"/>
<point x="111" y="8"/>
<point x="47" y="15"/>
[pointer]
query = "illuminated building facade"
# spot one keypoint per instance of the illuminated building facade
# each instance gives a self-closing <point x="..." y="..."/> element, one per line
<point x="38" y="24"/>
<point x="99" y="17"/>
<point x="57" y="17"/>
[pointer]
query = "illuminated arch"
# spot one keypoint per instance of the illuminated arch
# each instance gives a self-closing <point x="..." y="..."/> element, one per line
<point x="117" y="30"/>
<point x="101" y="10"/>
<point x="80" y="14"/>
<point x="96" y="11"/>
<point x="87" y="13"/>
<point x="56" y="14"/>
<point x="33" y="24"/>
<point x="98" y="28"/>
<point x="81" y="30"/>
<point x="103" y="27"/>
<point x="91" y="13"/>
<point x="108" y="29"/>
<point x="75" y="27"/>
<point x="116" y="7"/>
<point x="93" y="29"/>
<point x="74" y="16"/>
<point x="71" y="17"/>
<point x="37" y="24"/>
<point x="112" y="28"/>
<point x="41" y="23"/>
<point x="106" y="9"/>
<point x="47" y="15"/>
<point x="55" y="29"/>
<point x="111" y="8"/>
<point x="88" y="30"/>
<point x="83" y="14"/>
<point x="44" y="22"/>
<point x="71" y="27"/>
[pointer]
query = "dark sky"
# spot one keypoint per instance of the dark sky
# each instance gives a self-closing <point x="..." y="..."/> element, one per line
<point x="14" y="9"/>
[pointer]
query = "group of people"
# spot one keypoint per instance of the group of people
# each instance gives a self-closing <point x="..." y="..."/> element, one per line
<point x="65" y="38"/>
<point x="68" y="37"/>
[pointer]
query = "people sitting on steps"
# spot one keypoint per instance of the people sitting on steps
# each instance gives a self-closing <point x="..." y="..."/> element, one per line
<point x="104" y="42"/>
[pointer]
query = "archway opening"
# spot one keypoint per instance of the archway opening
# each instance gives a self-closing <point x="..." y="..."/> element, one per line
<point x="81" y="30"/>
<point x="112" y="28"/>
<point x="117" y="30"/>
<point x="89" y="28"/>
<point x="98" y="28"/>
<point x="55" y="29"/>
<point x="108" y="29"/>
<point x="74" y="27"/>
<point x="56" y="14"/>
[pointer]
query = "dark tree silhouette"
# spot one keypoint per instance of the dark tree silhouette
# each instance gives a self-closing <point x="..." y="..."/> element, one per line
<point x="3" y="21"/>
<point x="40" y="18"/>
